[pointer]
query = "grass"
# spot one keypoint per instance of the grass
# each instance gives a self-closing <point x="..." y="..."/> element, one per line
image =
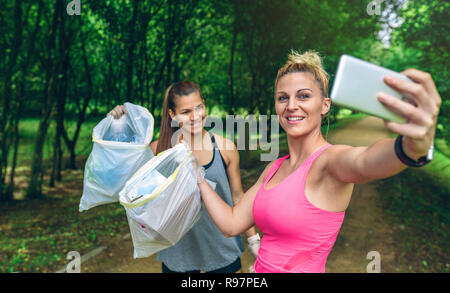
<point x="36" y="235"/>
<point x="416" y="204"/>
<point x="27" y="134"/>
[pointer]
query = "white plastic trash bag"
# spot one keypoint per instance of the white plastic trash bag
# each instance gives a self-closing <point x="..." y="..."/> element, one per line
<point x="121" y="147"/>
<point x="162" y="201"/>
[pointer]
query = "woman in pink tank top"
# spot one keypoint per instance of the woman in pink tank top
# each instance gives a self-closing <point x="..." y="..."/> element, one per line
<point x="299" y="201"/>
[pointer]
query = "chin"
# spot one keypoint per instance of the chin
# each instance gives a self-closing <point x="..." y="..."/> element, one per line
<point x="297" y="131"/>
<point x="197" y="131"/>
<point x="193" y="131"/>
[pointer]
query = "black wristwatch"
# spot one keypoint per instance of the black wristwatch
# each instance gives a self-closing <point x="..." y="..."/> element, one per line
<point x="422" y="161"/>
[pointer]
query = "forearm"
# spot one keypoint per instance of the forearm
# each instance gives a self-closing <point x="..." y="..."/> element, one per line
<point x="220" y="212"/>
<point x="379" y="160"/>
<point x="236" y="197"/>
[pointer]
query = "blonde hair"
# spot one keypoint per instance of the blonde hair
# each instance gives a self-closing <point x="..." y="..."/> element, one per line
<point x="311" y="62"/>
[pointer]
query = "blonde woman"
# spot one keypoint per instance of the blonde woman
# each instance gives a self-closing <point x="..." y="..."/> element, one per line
<point x="299" y="201"/>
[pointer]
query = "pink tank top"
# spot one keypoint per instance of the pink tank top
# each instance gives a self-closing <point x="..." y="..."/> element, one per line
<point x="298" y="236"/>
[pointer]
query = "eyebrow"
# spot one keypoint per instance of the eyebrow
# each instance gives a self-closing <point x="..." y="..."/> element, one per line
<point x="304" y="89"/>
<point x="297" y="91"/>
<point x="190" y="109"/>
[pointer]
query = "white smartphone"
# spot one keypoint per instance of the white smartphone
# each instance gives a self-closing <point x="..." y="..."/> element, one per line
<point x="357" y="84"/>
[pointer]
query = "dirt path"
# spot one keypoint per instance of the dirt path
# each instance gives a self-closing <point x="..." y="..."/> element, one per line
<point x="364" y="228"/>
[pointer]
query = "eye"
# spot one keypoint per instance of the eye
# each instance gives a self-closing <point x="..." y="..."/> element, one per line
<point x="282" y="98"/>
<point x="303" y="96"/>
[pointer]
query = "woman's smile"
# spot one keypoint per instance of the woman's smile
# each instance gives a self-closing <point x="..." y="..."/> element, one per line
<point x="294" y="119"/>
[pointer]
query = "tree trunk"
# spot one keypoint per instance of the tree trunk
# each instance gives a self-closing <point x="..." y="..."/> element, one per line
<point x="81" y="117"/>
<point x="25" y="66"/>
<point x="132" y="45"/>
<point x="230" y="69"/>
<point x="37" y="172"/>
<point x="5" y="102"/>
<point x="64" y="40"/>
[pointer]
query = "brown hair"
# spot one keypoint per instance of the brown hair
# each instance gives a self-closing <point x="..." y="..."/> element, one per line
<point x="175" y="90"/>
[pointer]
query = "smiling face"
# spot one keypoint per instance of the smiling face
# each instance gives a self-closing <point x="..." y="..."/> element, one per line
<point x="299" y="103"/>
<point x="190" y="113"/>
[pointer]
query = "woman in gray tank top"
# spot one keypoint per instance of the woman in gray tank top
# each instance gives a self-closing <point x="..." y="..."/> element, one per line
<point x="204" y="247"/>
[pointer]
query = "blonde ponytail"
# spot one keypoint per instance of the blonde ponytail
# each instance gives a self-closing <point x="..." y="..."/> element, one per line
<point x="310" y="58"/>
<point x="309" y="61"/>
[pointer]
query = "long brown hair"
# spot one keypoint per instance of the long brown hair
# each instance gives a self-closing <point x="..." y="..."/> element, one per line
<point x="175" y="90"/>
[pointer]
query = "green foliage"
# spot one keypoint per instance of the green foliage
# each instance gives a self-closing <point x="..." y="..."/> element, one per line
<point x="36" y="237"/>
<point x="119" y="51"/>
<point x="422" y="41"/>
<point x="416" y="205"/>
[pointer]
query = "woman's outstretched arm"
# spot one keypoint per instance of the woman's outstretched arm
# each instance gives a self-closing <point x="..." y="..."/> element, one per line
<point x="231" y="221"/>
<point x="362" y="164"/>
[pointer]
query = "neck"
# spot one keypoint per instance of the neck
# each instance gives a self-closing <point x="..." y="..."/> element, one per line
<point x="300" y="148"/>
<point x="194" y="140"/>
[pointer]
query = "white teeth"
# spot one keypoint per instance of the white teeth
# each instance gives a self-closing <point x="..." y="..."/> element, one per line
<point x="295" y="118"/>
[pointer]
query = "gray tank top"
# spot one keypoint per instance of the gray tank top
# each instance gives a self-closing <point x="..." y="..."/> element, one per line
<point x="204" y="247"/>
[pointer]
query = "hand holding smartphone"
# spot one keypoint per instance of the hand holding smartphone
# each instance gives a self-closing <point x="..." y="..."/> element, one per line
<point x="357" y="85"/>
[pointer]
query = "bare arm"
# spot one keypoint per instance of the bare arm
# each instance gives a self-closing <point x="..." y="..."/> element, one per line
<point x="362" y="164"/>
<point x="153" y="146"/>
<point x="234" y="177"/>
<point x="231" y="221"/>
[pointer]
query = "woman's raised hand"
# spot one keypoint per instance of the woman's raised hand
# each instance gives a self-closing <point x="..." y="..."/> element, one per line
<point x="199" y="170"/>
<point x="420" y="113"/>
<point x="118" y="111"/>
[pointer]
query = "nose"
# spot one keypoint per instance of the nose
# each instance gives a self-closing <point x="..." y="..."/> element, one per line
<point x="291" y="105"/>
<point x="195" y="115"/>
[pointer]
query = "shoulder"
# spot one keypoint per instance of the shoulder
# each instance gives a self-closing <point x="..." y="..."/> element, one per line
<point x="331" y="154"/>
<point x="266" y="170"/>
<point x="325" y="164"/>
<point x="153" y="146"/>
<point x="224" y="143"/>
<point x="227" y="148"/>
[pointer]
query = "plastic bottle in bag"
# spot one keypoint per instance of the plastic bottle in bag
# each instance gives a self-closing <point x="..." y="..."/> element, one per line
<point x="122" y="137"/>
<point x="120" y="131"/>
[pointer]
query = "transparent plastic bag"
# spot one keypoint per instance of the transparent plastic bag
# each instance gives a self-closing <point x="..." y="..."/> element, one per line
<point x="162" y="201"/>
<point x="120" y="131"/>
<point x="111" y="163"/>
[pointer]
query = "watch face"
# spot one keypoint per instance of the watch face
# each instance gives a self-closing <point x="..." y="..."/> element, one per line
<point x="430" y="152"/>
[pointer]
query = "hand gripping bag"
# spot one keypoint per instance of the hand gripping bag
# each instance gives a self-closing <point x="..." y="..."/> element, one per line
<point x="121" y="147"/>
<point x="162" y="201"/>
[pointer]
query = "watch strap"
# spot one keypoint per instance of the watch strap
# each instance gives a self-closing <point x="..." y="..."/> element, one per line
<point x="422" y="161"/>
